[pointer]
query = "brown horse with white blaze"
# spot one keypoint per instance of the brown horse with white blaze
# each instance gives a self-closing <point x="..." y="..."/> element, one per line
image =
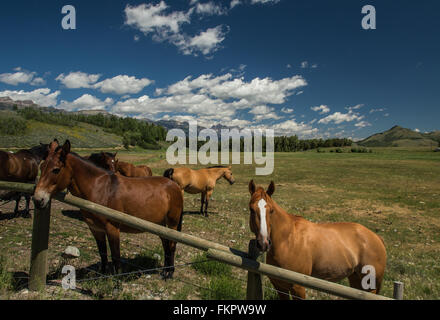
<point x="199" y="181"/>
<point x="154" y="199"/>
<point x="329" y="251"/>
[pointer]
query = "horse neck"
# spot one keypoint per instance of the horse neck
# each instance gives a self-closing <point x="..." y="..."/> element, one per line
<point x="282" y="225"/>
<point x="84" y="176"/>
<point x="219" y="173"/>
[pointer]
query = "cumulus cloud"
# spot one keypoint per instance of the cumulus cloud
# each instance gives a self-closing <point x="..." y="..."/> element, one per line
<point x="21" y="77"/>
<point x="85" y="102"/>
<point x="44" y="96"/>
<point x="213" y="98"/>
<point x="322" y="109"/>
<point x="339" y="117"/>
<point x="122" y="84"/>
<point x="292" y="127"/>
<point x="362" y="124"/>
<point x="78" y="79"/>
<point x="210" y="8"/>
<point x="377" y="110"/>
<point x="287" y="110"/>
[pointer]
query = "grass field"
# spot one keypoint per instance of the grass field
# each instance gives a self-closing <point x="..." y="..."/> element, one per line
<point x="394" y="192"/>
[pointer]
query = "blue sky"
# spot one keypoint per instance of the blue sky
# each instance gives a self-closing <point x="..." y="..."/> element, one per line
<point x="299" y="67"/>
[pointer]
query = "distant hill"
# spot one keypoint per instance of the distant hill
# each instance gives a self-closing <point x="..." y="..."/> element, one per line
<point x="401" y="137"/>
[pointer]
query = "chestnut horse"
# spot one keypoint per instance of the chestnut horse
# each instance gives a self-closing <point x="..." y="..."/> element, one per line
<point x="108" y="161"/>
<point x="129" y="170"/>
<point x="154" y="199"/>
<point x="329" y="251"/>
<point x="21" y="166"/>
<point x="199" y="181"/>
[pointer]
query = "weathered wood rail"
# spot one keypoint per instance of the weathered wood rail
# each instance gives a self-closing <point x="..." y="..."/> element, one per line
<point x="219" y="252"/>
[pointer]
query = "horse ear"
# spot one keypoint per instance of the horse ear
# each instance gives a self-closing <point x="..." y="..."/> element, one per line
<point x="271" y="189"/>
<point x="251" y="187"/>
<point x="66" y="147"/>
<point x="53" y="145"/>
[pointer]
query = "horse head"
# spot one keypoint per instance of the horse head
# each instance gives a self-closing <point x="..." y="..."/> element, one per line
<point x="109" y="161"/>
<point x="261" y="208"/>
<point x="55" y="175"/>
<point x="228" y="175"/>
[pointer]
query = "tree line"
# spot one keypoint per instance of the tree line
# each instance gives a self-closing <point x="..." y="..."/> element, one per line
<point x="134" y="132"/>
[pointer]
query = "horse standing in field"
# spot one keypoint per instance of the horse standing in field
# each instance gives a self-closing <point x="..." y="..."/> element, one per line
<point x="21" y="166"/>
<point x="329" y="251"/>
<point x="108" y="161"/>
<point x="105" y="160"/>
<point x="199" y="181"/>
<point x="154" y="199"/>
<point x="129" y="170"/>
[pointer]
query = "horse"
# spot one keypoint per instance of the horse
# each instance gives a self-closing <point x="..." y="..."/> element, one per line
<point x="329" y="251"/>
<point x="105" y="160"/>
<point x="21" y="166"/>
<point x="200" y="181"/>
<point x="129" y="170"/>
<point x="154" y="199"/>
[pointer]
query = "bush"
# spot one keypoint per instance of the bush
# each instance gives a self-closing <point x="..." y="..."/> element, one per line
<point x="223" y="288"/>
<point x="12" y="126"/>
<point x="210" y="267"/>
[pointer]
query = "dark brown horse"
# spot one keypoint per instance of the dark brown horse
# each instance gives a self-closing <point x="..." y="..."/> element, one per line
<point x="154" y="199"/>
<point x="105" y="160"/>
<point x="21" y="166"/>
<point x="330" y="251"/>
<point x="200" y="181"/>
<point x="129" y="170"/>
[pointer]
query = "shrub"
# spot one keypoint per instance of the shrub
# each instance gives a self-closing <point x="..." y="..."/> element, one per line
<point x="223" y="288"/>
<point x="12" y="126"/>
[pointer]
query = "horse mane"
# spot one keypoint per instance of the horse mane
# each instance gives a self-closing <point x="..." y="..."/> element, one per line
<point x="216" y="167"/>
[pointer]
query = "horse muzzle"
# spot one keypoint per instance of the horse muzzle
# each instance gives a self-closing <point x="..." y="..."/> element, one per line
<point x="41" y="199"/>
<point x="264" y="245"/>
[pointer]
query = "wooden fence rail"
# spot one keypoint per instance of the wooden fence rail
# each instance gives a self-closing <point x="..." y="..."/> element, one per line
<point x="243" y="260"/>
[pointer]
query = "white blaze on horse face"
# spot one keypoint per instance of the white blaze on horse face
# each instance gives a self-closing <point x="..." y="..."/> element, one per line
<point x="263" y="225"/>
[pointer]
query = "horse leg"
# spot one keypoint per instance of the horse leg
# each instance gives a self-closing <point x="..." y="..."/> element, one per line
<point x="113" y="235"/>
<point x="203" y="202"/>
<point x="17" y="202"/>
<point x="28" y="200"/>
<point x="102" y="247"/>
<point x="167" y="254"/>
<point x="298" y="292"/>
<point x="282" y="289"/>
<point x="208" y="196"/>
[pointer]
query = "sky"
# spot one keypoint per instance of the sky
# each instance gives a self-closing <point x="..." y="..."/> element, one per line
<point x="298" y="67"/>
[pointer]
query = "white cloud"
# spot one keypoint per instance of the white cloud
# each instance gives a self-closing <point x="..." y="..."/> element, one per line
<point x="304" y="64"/>
<point x="356" y="107"/>
<point x="78" y="79"/>
<point x="287" y="110"/>
<point x="150" y="18"/>
<point x="85" y="102"/>
<point x="43" y="97"/>
<point x="339" y="117"/>
<point x="20" y="77"/>
<point x="206" y="42"/>
<point x="322" y="108"/>
<point x="209" y="8"/>
<point x="122" y="84"/>
<point x="416" y="130"/>
<point x="234" y="3"/>
<point x="291" y="127"/>
<point x="362" y="124"/>
<point x="264" y="1"/>
<point x="377" y="110"/>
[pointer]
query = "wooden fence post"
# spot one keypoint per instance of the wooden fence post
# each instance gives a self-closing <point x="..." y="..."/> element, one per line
<point x="254" y="281"/>
<point x="40" y="243"/>
<point x="398" y="290"/>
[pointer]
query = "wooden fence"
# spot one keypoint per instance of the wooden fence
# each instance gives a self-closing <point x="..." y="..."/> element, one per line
<point x="250" y="260"/>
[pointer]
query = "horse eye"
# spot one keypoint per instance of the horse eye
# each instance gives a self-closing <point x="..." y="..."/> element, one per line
<point x="56" y="170"/>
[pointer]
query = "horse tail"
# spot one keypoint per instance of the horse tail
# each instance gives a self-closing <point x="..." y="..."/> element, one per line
<point x="179" y="226"/>
<point x="169" y="173"/>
